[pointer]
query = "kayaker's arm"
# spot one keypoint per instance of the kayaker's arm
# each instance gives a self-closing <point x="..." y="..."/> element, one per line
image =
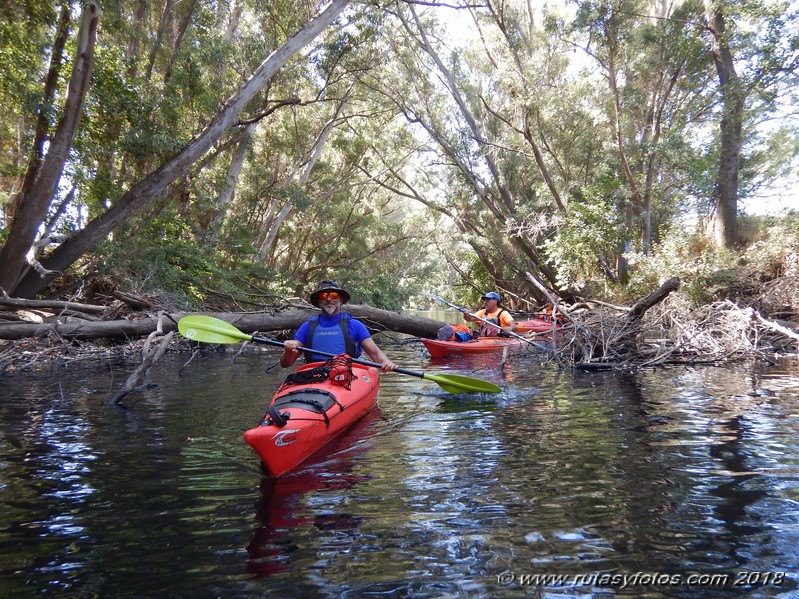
<point x="468" y="317"/>
<point x="290" y="353"/>
<point x="511" y="325"/>
<point x="377" y="355"/>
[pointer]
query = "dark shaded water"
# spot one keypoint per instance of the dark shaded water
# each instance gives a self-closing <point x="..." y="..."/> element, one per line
<point x="624" y="485"/>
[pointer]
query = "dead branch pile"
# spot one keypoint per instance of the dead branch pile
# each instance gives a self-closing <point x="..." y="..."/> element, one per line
<point x="670" y="333"/>
<point x="779" y="297"/>
<point x="53" y="351"/>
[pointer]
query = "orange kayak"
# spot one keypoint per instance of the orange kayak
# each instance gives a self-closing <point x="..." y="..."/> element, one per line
<point x="304" y="417"/>
<point x="439" y="349"/>
<point x="535" y="325"/>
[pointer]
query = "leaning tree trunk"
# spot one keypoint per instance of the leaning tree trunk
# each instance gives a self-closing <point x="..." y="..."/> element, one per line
<point x="272" y="228"/>
<point x="225" y="197"/>
<point x="141" y="194"/>
<point x="33" y="205"/>
<point x="632" y="207"/>
<point x="505" y="206"/>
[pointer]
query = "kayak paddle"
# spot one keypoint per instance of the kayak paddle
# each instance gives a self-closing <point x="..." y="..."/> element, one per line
<point x="511" y="333"/>
<point x="213" y="330"/>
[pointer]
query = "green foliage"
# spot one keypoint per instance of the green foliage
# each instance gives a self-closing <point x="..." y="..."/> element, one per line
<point x="480" y="282"/>
<point x="592" y="230"/>
<point x="709" y="274"/>
<point x="24" y="31"/>
<point x="379" y="290"/>
<point x="295" y="194"/>
<point x="170" y="261"/>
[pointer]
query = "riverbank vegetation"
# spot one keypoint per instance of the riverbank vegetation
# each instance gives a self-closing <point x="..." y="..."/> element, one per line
<point x="225" y="156"/>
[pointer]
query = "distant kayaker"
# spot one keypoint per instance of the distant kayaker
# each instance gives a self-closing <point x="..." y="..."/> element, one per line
<point x="332" y="331"/>
<point x="495" y="312"/>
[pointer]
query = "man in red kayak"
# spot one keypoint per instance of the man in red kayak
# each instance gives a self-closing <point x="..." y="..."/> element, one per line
<point x="493" y="311"/>
<point x="332" y="331"/>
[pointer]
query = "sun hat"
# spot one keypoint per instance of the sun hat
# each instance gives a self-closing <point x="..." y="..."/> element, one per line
<point x="492" y="295"/>
<point x="328" y="285"/>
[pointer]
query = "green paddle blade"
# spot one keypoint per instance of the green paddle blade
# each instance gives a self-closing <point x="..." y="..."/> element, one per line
<point x="210" y="330"/>
<point x="456" y="383"/>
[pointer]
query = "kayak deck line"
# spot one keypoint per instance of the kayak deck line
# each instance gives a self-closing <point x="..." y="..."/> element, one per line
<point x="302" y="418"/>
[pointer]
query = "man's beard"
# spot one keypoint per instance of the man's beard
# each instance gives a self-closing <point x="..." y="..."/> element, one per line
<point x="330" y="309"/>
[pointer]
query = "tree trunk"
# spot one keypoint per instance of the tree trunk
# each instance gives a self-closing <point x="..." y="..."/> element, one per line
<point x="632" y="207"/>
<point x="149" y="188"/>
<point x="43" y="123"/>
<point x="8" y="211"/>
<point x="228" y="191"/>
<point x="726" y="194"/>
<point x="542" y="167"/>
<point x="270" y="235"/>
<point x="35" y="201"/>
<point x="166" y="17"/>
<point x="237" y="7"/>
<point x="138" y="25"/>
<point x="464" y="109"/>
<point x="503" y="209"/>
<point x="374" y="319"/>
<point x="184" y="26"/>
<point x="658" y="295"/>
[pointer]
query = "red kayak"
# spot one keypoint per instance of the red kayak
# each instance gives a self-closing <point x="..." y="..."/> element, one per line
<point x="311" y="408"/>
<point x="535" y="325"/>
<point x="439" y="349"/>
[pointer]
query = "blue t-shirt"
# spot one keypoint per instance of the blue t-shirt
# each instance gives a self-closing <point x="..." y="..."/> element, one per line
<point x="358" y="332"/>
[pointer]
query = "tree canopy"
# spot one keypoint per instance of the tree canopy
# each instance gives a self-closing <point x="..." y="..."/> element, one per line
<point x="228" y="147"/>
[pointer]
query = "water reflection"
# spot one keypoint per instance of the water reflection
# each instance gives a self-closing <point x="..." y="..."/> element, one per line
<point x="735" y="495"/>
<point x="285" y="511"/>
<point x="675" y="471"/>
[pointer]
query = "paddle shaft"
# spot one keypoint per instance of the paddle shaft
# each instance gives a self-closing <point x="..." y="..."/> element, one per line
<point x="465" y="383"/>
<point x="310" y="350"/>
<point x="213" y="330"/>
<point x="511" y="333"/>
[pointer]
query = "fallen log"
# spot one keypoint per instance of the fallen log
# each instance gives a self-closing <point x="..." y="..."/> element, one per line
<point x="136" y="302"/>
<point x="375" y="319"/>
<point x="775" y="326"/>
<point x="52" y="304"/>
<point x="654" y="298"/>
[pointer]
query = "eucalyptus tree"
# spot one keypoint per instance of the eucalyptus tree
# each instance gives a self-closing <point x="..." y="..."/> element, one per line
<point x="755" y="50"/>
<point x="439" y="96"/>
<point x="307" y="197"/>
<point x="653" y="80"/>
<point x="547" y="121"/>
<point x="28" y="87"/>
<point x="45" y="167"/>
<point x="180" y="153"/>
<point x="698" y="109"/>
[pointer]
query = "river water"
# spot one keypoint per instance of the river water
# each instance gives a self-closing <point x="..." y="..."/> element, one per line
<point x="679" y="482"/>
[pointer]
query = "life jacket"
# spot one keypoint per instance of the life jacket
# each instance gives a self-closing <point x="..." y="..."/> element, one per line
<point x="495" y="328"/>
<point x="456" y="332"/>
<point x="332" y="340"/>
<point x="547" y="312"/>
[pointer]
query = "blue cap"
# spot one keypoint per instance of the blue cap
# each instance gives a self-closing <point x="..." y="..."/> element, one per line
<point x="492" y="295"/>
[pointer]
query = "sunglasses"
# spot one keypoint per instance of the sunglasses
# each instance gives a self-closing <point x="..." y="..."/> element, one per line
<point x="334" y="295"/>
